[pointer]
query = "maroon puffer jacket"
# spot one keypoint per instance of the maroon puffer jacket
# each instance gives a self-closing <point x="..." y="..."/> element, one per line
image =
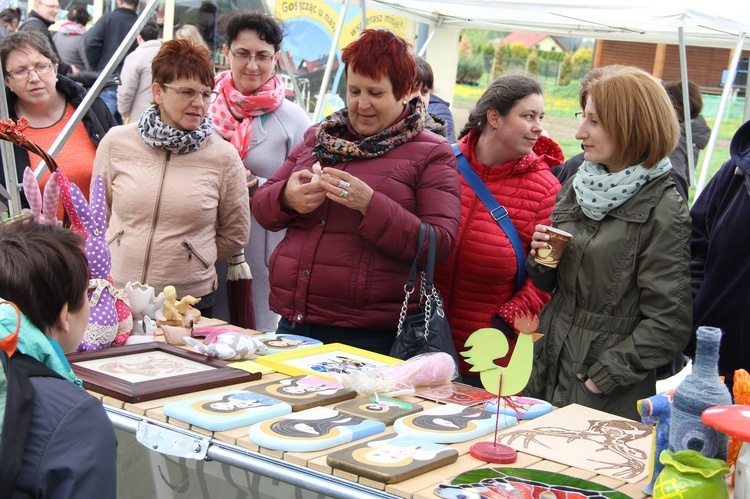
<point x="479" y="278"/>
<point x="337" y="267"/>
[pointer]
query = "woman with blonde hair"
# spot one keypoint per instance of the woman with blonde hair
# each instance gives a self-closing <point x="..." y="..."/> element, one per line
<point x="190" y="32"/>
<point x="621" y="303"/>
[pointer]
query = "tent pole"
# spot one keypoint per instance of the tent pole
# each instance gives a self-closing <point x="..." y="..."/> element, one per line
<point x="12" y="193"/>
<point x="96" y="88"/>
<point x="719" y="114"/>
<point x="746" y="112"/>
<point x="329" y="64"/>
<point x="686" y="107"/>
<point x="423" y="50"/>
<point x="363" y="6"/>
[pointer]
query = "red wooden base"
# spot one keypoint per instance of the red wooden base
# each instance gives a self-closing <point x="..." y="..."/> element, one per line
<point x="493" y="453"/>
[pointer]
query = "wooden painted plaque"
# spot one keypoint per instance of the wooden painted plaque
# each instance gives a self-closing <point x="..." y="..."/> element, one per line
<point x="588" y="439"/>
<point x="521" y="407"/>
<point x="278" y="343"/>
<point x="227" y="410"/>
<point x="392" y="459"/>
<point x="314" y="429"/>
<point x="451" y="423"/>
<point x="304" y="392"/>
<point x="523" y="482"/>
<point x="386" y="410"/>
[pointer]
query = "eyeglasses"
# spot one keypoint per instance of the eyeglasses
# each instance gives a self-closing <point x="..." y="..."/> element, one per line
<point x="579" y="116"/>
<point x="53" y="7"/>
<point x="262" y="58"/>
<point x="23" y="73"/>
<point x="187" y="93"/>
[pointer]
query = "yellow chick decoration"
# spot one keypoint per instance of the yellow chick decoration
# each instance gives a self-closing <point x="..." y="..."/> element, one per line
<point x="490" y="344"/>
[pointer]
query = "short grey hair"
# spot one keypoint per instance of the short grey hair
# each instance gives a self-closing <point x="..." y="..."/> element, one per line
<point x="19" y="40"/>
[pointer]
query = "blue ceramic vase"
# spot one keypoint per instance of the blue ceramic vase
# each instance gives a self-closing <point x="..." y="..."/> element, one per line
<point x="699" y="391"/>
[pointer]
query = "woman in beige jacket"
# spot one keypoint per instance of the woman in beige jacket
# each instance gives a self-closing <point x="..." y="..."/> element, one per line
<point x="176" y="193"/>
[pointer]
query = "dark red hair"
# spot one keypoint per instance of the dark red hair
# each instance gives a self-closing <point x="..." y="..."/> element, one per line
<point x="377" y="54"/>
<point x="182" y="59"/>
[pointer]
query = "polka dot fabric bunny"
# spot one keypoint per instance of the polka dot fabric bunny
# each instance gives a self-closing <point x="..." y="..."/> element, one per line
<point x="43" y="209"/>
<point x="91" y="219"/>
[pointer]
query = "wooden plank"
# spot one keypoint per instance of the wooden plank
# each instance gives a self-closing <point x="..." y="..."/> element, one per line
<point x="633" y="490"/>
<point x="423" y="485"/>
<point x="372" y="483"/>
<point x="320" y="464"/>
<point x="345" y="475"/>
<point x="231" y="436"/>
<point x="246" y="443"/>
<point x="270" y="452"/>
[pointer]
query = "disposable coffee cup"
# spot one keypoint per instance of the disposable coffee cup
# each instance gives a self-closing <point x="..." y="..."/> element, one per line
<point x="550" y="256"/>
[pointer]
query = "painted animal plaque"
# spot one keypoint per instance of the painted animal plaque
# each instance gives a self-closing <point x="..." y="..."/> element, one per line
<point x="455" y="393"/>
<point x="392" y="459"/>
<point x="520" y="407"/>
<point x="382" y="409"/>
<point x="226" y="410"/>
<point x="588" y="439"/>
<point x="486" y="483"/>
<point x="451" y="423"/>
<point x="304" y="392"/>
<point x="278" y="343"/>
<point x="314" y="429"/>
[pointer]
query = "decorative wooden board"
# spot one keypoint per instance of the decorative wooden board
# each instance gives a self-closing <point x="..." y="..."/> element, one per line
<point x="279" y="343"/>
<point x="227" y="410"/>
<point x="521" y="407"/>
<point x="386" y="410"/>
<point x="586" y="438"/>
<point x="312" y="430"/>
<point x="304" y="392"/>
<point x="523" y="482"/>
<point x="392" y="459"/>
<point x="455" y="393"/>
<point x="451" y="423"/>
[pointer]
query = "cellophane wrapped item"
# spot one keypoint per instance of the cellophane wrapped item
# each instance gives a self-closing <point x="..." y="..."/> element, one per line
<point x="428" y="369"/>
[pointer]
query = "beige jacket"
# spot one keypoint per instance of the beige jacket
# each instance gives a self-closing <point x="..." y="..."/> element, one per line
<point x="170" y="217"/>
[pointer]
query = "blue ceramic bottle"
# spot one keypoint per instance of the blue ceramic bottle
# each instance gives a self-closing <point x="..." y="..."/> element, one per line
<point x="699" y="391"/>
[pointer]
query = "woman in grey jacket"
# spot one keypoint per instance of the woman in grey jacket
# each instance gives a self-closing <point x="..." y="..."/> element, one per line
<point x="253" y="114"/>
<point x="621" y="303"/>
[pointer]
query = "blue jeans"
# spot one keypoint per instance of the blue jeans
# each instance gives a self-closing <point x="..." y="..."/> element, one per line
<point x="109" y="96"/>
<point x="366" y="339"/>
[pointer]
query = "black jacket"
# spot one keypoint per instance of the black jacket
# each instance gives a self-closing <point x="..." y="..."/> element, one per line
<point x="35" y="22"/>
<point x="103" y="40"/>
<point x="720" y="265"/>
<point x="97" y="121"/>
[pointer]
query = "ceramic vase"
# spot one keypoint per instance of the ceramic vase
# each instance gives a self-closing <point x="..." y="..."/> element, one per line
<point x="699" y="391"/>
<point x="688" y="474"/>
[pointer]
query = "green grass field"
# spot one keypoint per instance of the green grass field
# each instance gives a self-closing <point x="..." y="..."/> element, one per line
<point x="563" y="102"/>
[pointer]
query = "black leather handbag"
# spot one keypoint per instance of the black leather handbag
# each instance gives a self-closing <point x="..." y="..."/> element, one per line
<point x="428" y="330"/>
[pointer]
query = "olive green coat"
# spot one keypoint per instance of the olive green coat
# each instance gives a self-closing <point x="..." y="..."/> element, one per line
<point x="621" y="301"/>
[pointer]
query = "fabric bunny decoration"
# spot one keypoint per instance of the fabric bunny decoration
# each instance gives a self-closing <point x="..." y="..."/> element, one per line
<point x="43" y="209"/>
<point x="91" y="219"/>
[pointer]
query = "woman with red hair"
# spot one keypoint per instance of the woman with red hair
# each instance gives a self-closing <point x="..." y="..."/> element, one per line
<point x="352" y="225"/>
<point x="176" y="193"/>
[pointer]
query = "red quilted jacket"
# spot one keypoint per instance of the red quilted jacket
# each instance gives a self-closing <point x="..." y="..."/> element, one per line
<point x="479" y="278"/>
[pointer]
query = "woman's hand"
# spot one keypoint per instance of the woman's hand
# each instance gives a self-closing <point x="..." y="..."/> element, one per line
<point x="301" y="194"/>
<point x="539" y="238"/>
<point x="344" y="188"/>
<point x="591" y="386"/>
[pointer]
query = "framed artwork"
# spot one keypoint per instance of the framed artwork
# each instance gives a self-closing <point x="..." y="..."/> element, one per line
<point x="314" y="429"/>
<point x="324" y="360"/>
<point x="281" y="343"/>
<point x="451" y="423"/>
<point x="382" y="409"/>
<point x="151" y="371"/>
<point x="226" y="410"/>
<point x="304" y="392"/>
<point x="392" y="459"/>
<point x="522" y="482"/>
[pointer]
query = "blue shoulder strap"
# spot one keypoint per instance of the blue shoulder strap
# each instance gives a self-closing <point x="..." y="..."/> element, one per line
<point x="498" y="212"/>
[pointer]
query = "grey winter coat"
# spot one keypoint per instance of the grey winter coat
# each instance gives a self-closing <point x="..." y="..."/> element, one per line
<point x="621" y="302"/>
<point x="701" y="134"/>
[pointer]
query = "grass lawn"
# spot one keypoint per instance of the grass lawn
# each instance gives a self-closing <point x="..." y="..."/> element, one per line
<point x="562" y="102"/>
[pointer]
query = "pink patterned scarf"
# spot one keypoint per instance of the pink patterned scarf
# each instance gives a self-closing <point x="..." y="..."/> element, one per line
<point x="233" y="112"/>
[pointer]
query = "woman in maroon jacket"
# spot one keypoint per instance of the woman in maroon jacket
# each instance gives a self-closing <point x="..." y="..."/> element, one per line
<point x="504" y="145"/>
<point x="339" y="273"/>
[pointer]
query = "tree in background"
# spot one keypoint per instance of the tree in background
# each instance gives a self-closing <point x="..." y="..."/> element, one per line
<point x="519" y="50"/>
<point x="501" y="61"/>
<point x="566" y="71"/>
<point x="532" y="62"/>
<point x="583" y="55"/>
<point x="464" y="45"/>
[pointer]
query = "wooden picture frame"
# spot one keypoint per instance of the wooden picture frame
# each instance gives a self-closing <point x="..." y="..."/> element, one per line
<point x="300" y="362"/>
<point x="212" y="372"/>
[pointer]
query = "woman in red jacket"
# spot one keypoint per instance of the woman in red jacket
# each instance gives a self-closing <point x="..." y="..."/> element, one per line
<point x="504" y="146"/>
<point x="339" y="273"/>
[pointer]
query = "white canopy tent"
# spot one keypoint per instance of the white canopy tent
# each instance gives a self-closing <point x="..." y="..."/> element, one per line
<point x="721" y="23"/>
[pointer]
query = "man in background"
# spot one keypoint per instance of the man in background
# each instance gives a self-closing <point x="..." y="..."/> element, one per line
<point x="103" y="40"/>
<point x="134" y="94"/>
<point x="40" y="19"/>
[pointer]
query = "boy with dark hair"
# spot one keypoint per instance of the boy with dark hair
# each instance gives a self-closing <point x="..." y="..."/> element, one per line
<point x="55" y="439"/>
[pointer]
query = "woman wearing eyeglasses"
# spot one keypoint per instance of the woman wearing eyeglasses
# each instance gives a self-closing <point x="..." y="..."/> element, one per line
<point x="176" y="192"/>
<point x="48" y="100"/>
<point x="253" y="115"/>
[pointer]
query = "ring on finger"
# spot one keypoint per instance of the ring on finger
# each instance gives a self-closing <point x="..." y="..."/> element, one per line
<point x="344" y="193"/>
<point x="343" y="184"/>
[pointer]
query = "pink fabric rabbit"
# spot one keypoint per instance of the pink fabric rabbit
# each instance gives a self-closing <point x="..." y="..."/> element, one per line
<point x="89" y="220"/>
<point x="43" y="209"/>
